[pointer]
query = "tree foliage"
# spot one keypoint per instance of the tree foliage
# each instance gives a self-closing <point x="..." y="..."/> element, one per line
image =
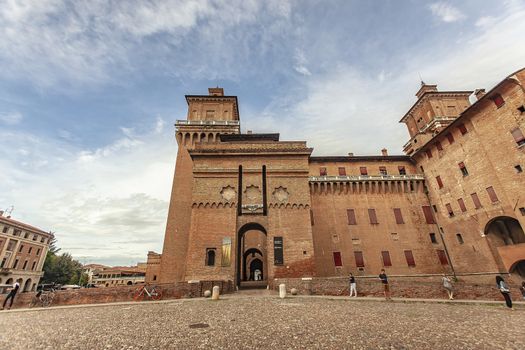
<point x="62" y="269"/>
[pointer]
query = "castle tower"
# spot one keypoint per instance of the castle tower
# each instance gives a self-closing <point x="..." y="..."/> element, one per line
<point x="208" y="116"/>
<point x="431" y="113"/>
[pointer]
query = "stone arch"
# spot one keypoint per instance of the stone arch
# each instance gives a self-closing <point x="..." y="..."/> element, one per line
<point x="252" y="226"/>
<point x="129" y="283"/>
<point x="9" y="281"/>
<point x="27" y="285"/>
<point x="504" y="230"/>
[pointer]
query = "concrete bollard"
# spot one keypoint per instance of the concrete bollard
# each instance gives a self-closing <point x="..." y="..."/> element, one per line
<point x="282" y="291"/>
<point x="293" y="291"/>
<point x="207" y="293"/>
<point x="215" y="293"/>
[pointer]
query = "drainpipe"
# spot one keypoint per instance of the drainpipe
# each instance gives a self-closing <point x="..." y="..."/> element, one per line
<point x="442" y="238"/>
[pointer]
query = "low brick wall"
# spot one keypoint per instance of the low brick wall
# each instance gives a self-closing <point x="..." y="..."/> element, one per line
<point x="477" y="287"/>
<point x="124" y="293"/>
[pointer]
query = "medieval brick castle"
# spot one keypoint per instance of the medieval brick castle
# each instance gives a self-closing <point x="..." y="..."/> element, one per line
<point x="252" y="207"/>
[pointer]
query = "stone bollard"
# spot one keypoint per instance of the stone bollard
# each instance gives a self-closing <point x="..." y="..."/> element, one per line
<point x="293" y="291"/>
<point x="282" y="291"/>
<point x="215" y="293"/>
<point x="207" y="293"/>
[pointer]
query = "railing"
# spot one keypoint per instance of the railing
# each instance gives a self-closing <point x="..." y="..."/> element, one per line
<point x="367" y="178"/>
<point x="207" y="122"/>
<point x="252" y="208"/>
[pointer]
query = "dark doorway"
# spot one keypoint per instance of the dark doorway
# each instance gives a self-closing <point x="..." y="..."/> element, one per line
<point x="241" y="256"/>
<point x="256" y="270"/>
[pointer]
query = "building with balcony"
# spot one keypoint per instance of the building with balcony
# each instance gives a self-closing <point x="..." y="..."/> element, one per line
<point x="120" y="276"/>
<point x="23" y="250"/>
<point x="248" y="204"/>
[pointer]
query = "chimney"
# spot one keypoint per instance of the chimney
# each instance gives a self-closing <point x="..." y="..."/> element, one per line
<point x="351" y="154"/>
<point x="249" y="132"/>
<point x="216" y="91"/>
<point x="384" y="152"/>
<point x="479" y="93"/>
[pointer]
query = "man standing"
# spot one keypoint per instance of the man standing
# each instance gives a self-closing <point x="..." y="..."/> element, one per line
<point x="384" y="279"/>
<point x="353" y="288"/>
<point x="11" y="295"/>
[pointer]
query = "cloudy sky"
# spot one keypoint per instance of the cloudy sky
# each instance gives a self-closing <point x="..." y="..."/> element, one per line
<point x="90" y="90"/>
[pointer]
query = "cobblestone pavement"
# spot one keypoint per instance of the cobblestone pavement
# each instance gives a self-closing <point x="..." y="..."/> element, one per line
<point x="267" y="323"/>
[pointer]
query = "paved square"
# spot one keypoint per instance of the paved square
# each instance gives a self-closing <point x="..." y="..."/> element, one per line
<point x="266" y="323"/>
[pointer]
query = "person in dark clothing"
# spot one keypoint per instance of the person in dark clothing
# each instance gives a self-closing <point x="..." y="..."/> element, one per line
<point x="384" y="279"/>
<point x="11" y="295"/>
<point x="505" y="291"/>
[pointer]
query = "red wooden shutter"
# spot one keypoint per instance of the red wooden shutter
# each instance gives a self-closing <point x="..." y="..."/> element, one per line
<point x="440" y="183"/>
<point x="350" y="213"/>
<point x="429" y="153"/>
<point x="311" y="217"/>
<point x="322" y="171"/>
<point x="398" y="215"/>
<point x="492" y="194"/>
<point x="442" y="257"/>
<point x="462" y="129"/>
<point x="372" y="216"/>
<point x="438" y="146"/>
<point x="337" y="259"/>
<point x="363" y="170"/>
<point x="518" y="136"/>
<point x="386" y="258"/>
<point x="410" y="258"/>
<point x="342" y="171"/>
<point x="475" y="199"/>
<point x="462" y="205"/>
<point x="428" y="214"/>
<point x="449" y="209"/>
<point x="359" y="261"/>
<point x="498" y="100"/>
<point x="450" y="138"/>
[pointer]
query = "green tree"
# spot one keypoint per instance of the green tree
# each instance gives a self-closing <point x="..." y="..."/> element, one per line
<point x="62" y="269"/>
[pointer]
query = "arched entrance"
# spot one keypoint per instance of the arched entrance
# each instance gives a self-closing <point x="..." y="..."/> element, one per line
<point x="251" y="247"/>
<point x="507" y="242"/>
<point x="256" y="269"/>
<point x="27" y="285"/>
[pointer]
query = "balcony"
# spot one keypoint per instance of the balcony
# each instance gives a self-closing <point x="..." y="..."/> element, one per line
<point x="207" y="122"/>
<point x="366" y="178"/>
<point x="252" y="208"/>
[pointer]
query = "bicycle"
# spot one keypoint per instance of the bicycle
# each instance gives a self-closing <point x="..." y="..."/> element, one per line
<point x="43" y="299"/>
<point x="141" y="292"/>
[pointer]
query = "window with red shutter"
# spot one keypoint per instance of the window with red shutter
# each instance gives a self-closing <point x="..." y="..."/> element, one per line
<point x="322" y="172"/>
<point x="450" y="138"/>
<point x="385" y="255"/>
<point x="442" y="256"/>
<point x="498" y="100"/>
<point x="438" y="146"/>
<point x="372" y="216"/>
<point x="398" y="216"/>
<point x="410" y="258"/>
<point x="449" y="210"/>
<point x="311" y="217"/>
<point x="363" y="170"/>
<point x="342" y="171"/>
<point x="439" y="182"/>
<point x="518" y="136"/>
<point x="428" y="214"/>
<point x="462" y="205"/>
<point x="429" y="153"/>
<point x="462" y="129"/>
<point x="338" y="262"/>
<point x="350" y="213"/>
<point x="492" y="194"/>
<point x="402" y="170"/>
<point x="475" y="199"/>
<point x="359" y="260"/>
<point x="463" y="169"/>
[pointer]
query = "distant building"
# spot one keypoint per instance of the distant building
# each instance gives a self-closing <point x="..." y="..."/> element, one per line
<point x="153" y="267"/>
<point x="92" y="270"/>
<point x="23" y="250"/>
<point x="120" y="276"/>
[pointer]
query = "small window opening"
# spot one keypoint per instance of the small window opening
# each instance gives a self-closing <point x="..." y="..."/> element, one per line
<point x="518" y="168"/>
<point x="210" y="257"/>
<point x="433" y="238"/>
<point x="463" y="169"/>
<point x="459" y="238"/>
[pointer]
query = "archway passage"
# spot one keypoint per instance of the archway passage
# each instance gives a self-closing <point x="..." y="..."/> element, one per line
<point x="251" y="246"/>
<point x="27" y="285"/>
<point x="518" y="269"/>
<point x="504" y="230"/>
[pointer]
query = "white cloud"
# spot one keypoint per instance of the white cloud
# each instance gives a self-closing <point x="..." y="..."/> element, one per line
<point x="92" y="198"/>
<point x="11" y="118"/>
<point x="300" y="63"/>
<point x="446" y="12"/>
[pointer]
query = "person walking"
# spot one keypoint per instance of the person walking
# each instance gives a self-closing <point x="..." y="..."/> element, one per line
<point x="11" y="295"/>
<point x="522" y="290"/>
<point x="384" y="280"/>
<point x="447" y="284"/>
<point x="505" y="291"/>
<point x="352" y="285"/>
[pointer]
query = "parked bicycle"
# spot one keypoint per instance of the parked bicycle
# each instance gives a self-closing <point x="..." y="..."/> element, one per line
<point x="42" y="298"/>
<point x="143" y="292"/>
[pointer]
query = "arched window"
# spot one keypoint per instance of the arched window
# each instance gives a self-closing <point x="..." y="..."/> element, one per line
<point x="210" y="257"/>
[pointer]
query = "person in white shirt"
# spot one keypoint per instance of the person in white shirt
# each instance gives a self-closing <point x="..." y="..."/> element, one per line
<point x="11" y="295"/>
<point x="447" y="284"/>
